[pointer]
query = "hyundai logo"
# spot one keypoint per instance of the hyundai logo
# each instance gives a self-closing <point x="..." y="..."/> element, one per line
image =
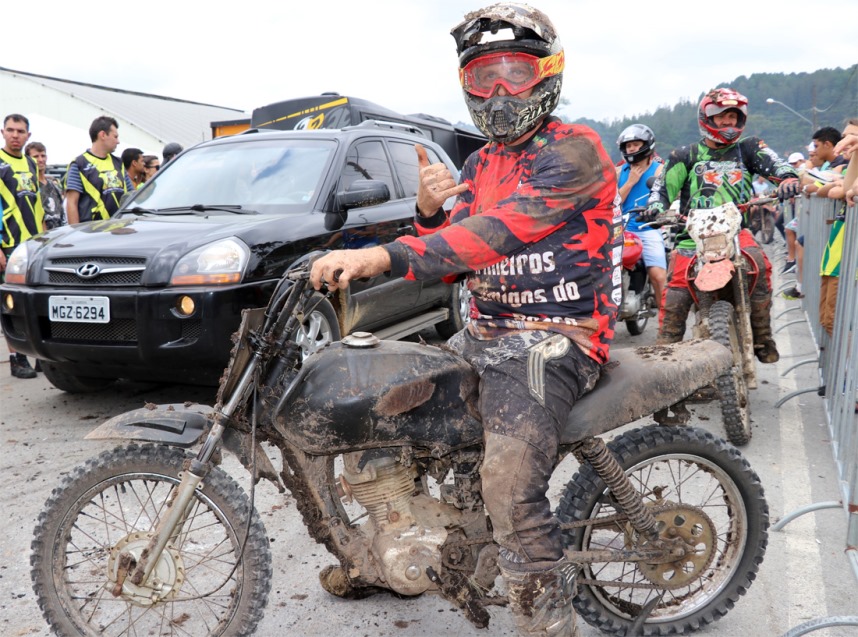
<point x="88" y="270"/>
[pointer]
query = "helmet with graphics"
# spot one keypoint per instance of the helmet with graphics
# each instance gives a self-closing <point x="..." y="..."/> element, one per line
<point x="508" y="51"/>
<point x="715" y="102"/>
<point x="640" y="133"/>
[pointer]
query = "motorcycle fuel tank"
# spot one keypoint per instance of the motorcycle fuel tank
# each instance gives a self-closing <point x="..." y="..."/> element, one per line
<point x="386" y="394"/>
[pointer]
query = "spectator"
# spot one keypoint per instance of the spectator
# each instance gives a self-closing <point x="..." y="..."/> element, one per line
<point x="49" y="188"/>
<point x="132" y="161"/>
<point x="21" y="203"/>
<point x="171" y="150"/>
<point x="823" y="160"/>
<point x="96" y="180"/>
<point x="761" y="186"/>
<point x="829" y="268"/>
<point x="151" y="164"/>
<point x="796" y="160"/>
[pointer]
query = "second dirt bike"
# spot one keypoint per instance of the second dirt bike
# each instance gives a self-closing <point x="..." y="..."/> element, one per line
<point x="721" y="278"/>
<point x="639" y="303"/>
<point x="381" y="449"/>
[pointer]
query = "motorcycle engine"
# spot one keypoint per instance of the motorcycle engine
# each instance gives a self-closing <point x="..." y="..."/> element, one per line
<point x="402" y="546"/>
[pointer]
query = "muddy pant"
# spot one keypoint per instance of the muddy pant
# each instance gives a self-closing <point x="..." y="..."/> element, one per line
<point x="677" y="299"/>
<point x="524" y="407"/>
<point x="828" y="302"/>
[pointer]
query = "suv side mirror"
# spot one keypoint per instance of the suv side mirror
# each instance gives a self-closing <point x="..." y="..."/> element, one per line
<point x="363" y="192"/>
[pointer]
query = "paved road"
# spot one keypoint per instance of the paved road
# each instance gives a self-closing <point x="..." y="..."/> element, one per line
<point x="805" y="573"/>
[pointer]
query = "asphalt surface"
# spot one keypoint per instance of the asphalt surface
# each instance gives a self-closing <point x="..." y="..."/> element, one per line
<point x="805" y="574"/>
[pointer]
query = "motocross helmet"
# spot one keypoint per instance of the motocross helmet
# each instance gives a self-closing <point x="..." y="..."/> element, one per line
<point x="715" y="102"/>
<point x="636" y="132"/>
<point x="514" y="46"/>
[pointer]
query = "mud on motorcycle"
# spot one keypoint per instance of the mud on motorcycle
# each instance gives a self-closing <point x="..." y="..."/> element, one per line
<point x="667" y="526"/>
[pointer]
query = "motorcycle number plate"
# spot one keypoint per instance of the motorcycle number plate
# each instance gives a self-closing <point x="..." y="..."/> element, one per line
<point x="714" y="275"/>
<point x="79" y="309"/>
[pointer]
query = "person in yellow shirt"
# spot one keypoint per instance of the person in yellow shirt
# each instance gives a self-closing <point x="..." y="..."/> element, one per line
<point x="96" y="180"/>
<point x="23" y="215"/>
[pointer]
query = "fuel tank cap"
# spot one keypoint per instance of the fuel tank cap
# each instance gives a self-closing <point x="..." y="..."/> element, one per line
<point x="361" y="339"/>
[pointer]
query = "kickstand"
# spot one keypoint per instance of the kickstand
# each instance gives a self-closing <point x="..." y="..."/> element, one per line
<point x="637" y="627"/>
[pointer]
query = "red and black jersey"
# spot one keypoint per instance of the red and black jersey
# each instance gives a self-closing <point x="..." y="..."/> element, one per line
<point x="539" y="231"/>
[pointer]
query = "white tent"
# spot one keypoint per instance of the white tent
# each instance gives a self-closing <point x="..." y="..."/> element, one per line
<point x="60" y="112"/>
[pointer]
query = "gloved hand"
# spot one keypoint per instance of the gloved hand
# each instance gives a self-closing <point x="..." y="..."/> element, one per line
<point x="652" y="211"/>
<point x="788" y="189"/>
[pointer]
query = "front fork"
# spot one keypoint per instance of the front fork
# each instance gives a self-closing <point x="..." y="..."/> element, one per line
<point x="179" y="506"/>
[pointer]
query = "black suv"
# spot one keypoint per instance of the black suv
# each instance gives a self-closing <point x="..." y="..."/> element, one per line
<point x="155" y="292"/>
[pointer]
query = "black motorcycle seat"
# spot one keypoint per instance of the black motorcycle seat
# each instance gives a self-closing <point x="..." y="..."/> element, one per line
<point x="638" y="382"/>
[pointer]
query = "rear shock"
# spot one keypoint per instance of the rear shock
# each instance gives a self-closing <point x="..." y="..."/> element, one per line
<point x="594" y="451"/>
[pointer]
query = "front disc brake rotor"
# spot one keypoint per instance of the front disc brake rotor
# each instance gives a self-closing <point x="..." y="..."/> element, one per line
<point x="164" y="582"/>
<point x="688" y="527"/>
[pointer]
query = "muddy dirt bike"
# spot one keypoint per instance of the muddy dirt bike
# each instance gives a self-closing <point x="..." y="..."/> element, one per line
<point x="667" y="525"/>
<point x="720" y="278"/>
<point x="762" y="214"/>
<point x="638" y="302"/>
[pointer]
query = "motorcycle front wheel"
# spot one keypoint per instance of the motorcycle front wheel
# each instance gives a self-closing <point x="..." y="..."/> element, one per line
<point x="708" y="495"/>
<point x="732" y="387"/>
<point x="110" y="506"/>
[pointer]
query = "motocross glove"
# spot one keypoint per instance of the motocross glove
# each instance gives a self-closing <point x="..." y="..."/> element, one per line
<point x="652" y="211"/>
<point x="788" y="189"/>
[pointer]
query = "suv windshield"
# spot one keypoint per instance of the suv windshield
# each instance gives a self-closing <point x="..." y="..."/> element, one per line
<point x="265" y="175"/>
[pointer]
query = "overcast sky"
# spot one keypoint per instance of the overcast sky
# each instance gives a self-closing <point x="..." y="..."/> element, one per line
<point x="622" y="57"/>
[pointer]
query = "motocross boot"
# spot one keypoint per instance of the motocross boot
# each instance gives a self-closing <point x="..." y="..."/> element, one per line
<point x="677" y="305"/>
<point x="540" y="596"/>
<point x="765" y="347"/>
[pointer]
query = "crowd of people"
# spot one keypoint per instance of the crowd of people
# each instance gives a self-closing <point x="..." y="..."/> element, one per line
<point x="32" y="201"/>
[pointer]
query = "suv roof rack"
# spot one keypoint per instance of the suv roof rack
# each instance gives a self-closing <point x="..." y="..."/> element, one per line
<point x="377" y="123"/>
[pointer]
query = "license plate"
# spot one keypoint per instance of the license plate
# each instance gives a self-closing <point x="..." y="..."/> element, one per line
<point x="79" y="309"/>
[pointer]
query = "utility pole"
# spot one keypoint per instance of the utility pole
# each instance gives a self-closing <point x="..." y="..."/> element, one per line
<point x="813" y="108"/>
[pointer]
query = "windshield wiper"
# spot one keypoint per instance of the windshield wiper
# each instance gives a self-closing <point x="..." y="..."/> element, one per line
<point x="199" y="207"/>
<point x="137" y="210"/>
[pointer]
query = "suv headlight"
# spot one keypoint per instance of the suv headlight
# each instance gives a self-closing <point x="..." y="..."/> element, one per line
<point x="218" y="263"/>
<point x="16" y="266"/>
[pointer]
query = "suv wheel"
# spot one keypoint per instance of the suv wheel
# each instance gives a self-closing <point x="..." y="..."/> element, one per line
<point x="64" y="378"/>
<point x="320" y="328"/>
<point x="460" y="310"/>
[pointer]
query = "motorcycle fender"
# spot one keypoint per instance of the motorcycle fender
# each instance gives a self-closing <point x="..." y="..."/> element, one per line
<point x="178" y="425"/>
<point x="714" y="275"/>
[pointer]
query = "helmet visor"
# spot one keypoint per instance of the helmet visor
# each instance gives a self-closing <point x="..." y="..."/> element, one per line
<point x="516" y="72"/>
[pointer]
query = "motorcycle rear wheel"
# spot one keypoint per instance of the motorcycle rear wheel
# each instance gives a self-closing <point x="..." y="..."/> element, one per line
<point x="110" y="505"/>
<point x="637" y="325"/>
<point x="732" y="387"/>
<point x="687" y="466"/>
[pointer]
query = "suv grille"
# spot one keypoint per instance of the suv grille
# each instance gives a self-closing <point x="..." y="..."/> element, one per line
<point x="118" y="330"/>
<point x="62" y="271"/>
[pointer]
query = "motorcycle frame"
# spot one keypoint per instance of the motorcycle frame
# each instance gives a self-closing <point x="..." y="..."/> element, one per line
<point x="270" y="354"/>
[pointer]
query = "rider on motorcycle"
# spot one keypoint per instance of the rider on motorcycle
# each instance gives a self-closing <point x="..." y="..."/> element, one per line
<point x="536" y="229"/>
<point x="636" y="143"/>
<point x="716" y="170"/>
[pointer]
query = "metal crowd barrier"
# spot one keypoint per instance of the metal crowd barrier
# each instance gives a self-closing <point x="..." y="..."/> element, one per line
<point x="836" y="365"/>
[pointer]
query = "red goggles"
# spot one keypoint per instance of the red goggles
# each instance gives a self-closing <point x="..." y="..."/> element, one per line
<point x="516" y="72"/>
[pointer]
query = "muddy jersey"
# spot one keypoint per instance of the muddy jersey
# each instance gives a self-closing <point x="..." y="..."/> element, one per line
<point x="704" y="177"/>
<point x="539" y="234"/>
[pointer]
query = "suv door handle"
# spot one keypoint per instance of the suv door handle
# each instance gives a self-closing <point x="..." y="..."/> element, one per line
<point x="405" y="230"/>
